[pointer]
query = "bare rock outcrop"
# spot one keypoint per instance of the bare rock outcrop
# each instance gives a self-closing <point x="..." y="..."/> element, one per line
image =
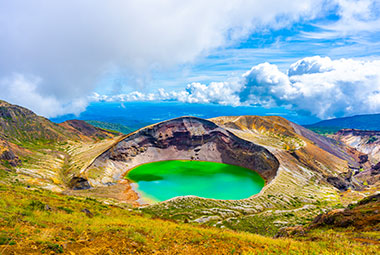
<point x="185" y="138"/>
<point x="365" y="141"/>
<point x="7" y="154"/>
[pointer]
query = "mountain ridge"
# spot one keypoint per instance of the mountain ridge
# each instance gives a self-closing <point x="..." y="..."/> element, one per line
<point x="364" y="122"/>
<point x="315" y="174"/>
<point x="45" y="152"/>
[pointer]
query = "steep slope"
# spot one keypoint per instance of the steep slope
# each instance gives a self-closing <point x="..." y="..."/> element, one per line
<point x="314" y="151"/>
<point x="46" y="153"/>
<point x="367" y="142"/>
<point x="85" y="130"/>
<point x="8" y="154"/>
<point x="364" y="215"/>
<point x="20" y="125"/>
<point x="185" y="138"/>
<point x="308" y="176"/>
<point x="279" y="132"/>
<point x="364" y="122"/>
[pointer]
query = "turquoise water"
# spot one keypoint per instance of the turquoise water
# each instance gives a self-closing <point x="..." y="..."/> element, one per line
<point x="160" y="181"/>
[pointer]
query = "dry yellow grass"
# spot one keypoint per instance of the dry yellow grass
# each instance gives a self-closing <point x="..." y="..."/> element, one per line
<point x="37" y="221"/>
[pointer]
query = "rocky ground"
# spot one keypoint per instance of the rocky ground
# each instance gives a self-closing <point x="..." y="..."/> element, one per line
<point x="365" y="141"/>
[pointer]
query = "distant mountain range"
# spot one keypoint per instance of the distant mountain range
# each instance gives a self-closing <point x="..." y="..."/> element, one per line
<point x="364" y="122"/>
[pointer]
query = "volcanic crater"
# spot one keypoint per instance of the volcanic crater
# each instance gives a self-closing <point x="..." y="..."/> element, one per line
<point x="185" y="138"/>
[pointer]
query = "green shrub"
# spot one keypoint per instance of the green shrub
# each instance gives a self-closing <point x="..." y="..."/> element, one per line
<point x="54" y="247"/>
<point x="372" y="139"/>
<point x="67" y="210"/>
<point x="36" y="205"/>
<point x="5" y="240"/>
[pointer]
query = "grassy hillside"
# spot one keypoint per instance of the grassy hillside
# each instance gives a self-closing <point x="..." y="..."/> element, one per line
<point x="111" y="126"/>
<point x="36" y="221"/>
<point x="21" y="126"/>
<point x="364" y="122"/>
<point x="324" y="130"/>
<point x="44" y="152"/>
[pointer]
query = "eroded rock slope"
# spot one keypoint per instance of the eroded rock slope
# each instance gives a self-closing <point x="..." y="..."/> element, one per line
<point x="365" y="141"/>
<point x="185" y="138"/>
<point x="313" y="171"/>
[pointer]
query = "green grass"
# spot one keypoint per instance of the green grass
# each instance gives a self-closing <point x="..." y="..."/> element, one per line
<point x="28" y="227"/>
<point x="112" y="127"/>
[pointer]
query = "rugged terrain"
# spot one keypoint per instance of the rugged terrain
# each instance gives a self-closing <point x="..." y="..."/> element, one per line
<point x="307" y="174"/>
<point x="45" y="153"/>
<point x="366" y="147"/>
<point x="367" y="142"/>
<point x="363" y="216"/>
<point x="185" y="138"/>
<point x="313" y="170"/>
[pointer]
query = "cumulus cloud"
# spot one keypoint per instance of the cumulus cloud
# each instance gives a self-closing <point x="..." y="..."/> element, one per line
<point x="215" y="92"/>
<point x="223" y="93"/>
<point x="22" y="90"/>
<point x="68" y="45"/>
<point x="321" y="86"/>
<point x="59" y="51"/>
<point x="318" y="85"/>
<point x="349" y="88"/>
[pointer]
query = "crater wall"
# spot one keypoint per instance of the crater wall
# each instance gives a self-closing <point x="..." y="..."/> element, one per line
<point x="185" y="138"/>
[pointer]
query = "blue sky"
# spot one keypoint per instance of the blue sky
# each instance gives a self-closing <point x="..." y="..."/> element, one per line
<point x="57" y="57"/>
<point x="277" y="46"/>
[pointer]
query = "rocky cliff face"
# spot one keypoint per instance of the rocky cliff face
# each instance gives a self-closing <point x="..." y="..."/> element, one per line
<point x="7" y="155"/>
<point x="336" y="162"/>
<point x="185" y="138"/>
<point x="365" y="141"/>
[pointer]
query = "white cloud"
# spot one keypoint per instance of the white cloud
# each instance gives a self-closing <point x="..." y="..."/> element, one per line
<point x="310" y="65"/>
<point x="321" y="86"/>
<point x="350" y="87"/>
<point x="68" y="45"/>
<point x="22" y="90"/>
<point x="318" y="85"/>
<point x="224" y="93"/>
<point x="216" y="92"/>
